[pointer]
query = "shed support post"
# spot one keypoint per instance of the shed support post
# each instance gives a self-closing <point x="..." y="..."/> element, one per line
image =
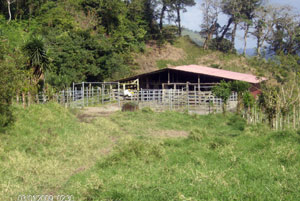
<point x="82" y="93"/>
<point x="119" y="94"/>
<point x="199" y="83"/>
<point x="147" y="83"/>
<point x="73" y="91"/>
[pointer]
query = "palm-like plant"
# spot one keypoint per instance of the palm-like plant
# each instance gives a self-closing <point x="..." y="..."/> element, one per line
<point x="38" y="60"/>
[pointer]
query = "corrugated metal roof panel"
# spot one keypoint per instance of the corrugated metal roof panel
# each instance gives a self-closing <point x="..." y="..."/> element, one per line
<point x="220" y="73"/>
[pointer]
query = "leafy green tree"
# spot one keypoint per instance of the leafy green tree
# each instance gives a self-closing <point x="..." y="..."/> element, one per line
<point x="223" y="91"/>
<point x="238" y="11"/>
<point x="211" y="10"/>
<point x="284" y="37"/>
<point x="224" y="45"/>
<point x="7" y="92"/>
<point x="8" y="85"/>
<point x="263" y="24"/>
<point x="240" y="88"/>
<point x="180" y="6"/>
<point x="268" y="101"/>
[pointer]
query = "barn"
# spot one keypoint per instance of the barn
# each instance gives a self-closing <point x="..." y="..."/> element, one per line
<point x="189" y="77"/>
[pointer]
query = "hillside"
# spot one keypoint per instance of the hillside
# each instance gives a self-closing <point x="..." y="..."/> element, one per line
<point x="184" y="52"/>
<point x="194" y="36"/>
<point x="174" y="156"/>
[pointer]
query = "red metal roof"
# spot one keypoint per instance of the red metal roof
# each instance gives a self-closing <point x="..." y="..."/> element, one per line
<point x="220" y="73"/>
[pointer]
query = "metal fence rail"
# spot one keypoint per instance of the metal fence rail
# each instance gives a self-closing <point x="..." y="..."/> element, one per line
<point x="180" y="100"/>
<point x="157" y="99"/>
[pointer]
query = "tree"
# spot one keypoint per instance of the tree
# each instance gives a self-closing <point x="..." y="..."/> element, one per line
<point x="9" y="2"/>
<point x="285" y="31"/>
<point x="269" y="103"/>
<point x="180" y="6"/>
<point x="38" y="60"/>
<point x="263" y="24"/>
<point x="240" y="88"/>
<point x="223" y="91"/>
<point x="278" y="100"/>
<point x="210" y="10"/>
<point x="8" y="85"/>
<point x="238" y="11"/>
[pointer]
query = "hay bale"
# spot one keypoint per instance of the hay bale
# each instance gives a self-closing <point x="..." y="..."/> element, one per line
<point x="130" y="106"/>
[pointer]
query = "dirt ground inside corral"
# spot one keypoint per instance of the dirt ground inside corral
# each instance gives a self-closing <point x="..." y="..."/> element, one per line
<point x="89" y="113"/>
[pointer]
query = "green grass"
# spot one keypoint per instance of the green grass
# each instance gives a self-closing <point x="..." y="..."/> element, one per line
<point x="148" y="156"/>
<point x="44" y="148"/>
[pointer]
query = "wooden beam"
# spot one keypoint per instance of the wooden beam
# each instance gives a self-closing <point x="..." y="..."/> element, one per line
<point x="172" y="83"/>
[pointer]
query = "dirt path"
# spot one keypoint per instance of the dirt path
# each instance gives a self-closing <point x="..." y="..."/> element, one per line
<point x="89" y="113"/>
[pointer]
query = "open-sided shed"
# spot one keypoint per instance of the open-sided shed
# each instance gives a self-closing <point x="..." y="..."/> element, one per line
<point x="191" y="77"/>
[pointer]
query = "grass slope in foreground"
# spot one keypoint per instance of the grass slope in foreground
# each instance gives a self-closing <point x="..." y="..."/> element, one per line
<point x="147" y="156"/>
<point x="220" y="159"/>
<point x="45" y="147"/>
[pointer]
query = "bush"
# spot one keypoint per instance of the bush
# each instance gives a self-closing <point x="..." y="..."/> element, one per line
<point x="197" y="134"/>
<point x="7" y="92"/>
<point x="224" y="45"/>
<point x="130" y="106"/>
<point x="218" y="142"/>
<point x="237" y="122"/>
<point x="147" y="110"/>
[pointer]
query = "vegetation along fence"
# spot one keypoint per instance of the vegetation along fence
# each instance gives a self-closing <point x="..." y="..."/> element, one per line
<point x="200" y="102"/>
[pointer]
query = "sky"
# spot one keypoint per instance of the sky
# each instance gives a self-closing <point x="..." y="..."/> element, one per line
<point x="193" y="18"/>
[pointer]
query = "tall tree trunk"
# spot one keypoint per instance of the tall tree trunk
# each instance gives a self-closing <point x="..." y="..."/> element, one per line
<point x="178" y="19"/>
<point x="234" y="34"/>
<point x="209" y="36"/>
<point x="258" y="46"/>
<point x="224" y="108"/>
<point x="226" y="29"/>
<point x="9" y="11"/>
<point x="245" y="38"/>
<point x="162" y="14"/>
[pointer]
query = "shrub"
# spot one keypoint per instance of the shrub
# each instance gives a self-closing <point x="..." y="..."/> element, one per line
<point x="237" y="122"/>
<point x="223" y="91"/>
<point x="7" y="92"/>
<point x="218" y="142"/>
<point x="130" y="106"/>
<point x="224" y="45"/>
<point x="147" y="110"/>
<point x="197" y="134"/>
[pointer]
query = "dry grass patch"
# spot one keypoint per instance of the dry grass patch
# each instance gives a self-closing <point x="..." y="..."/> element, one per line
<point x="169" y="134"/>
<point x="148" y="61"/>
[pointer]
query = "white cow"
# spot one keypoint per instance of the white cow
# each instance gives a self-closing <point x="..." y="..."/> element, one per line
<point x="128" y="93"/>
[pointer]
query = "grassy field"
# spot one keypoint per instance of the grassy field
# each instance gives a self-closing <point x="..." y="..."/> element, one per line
<point x="147" y="156"/>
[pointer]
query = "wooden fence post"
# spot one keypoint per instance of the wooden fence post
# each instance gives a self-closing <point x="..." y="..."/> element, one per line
<point x="29" y="98"/>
